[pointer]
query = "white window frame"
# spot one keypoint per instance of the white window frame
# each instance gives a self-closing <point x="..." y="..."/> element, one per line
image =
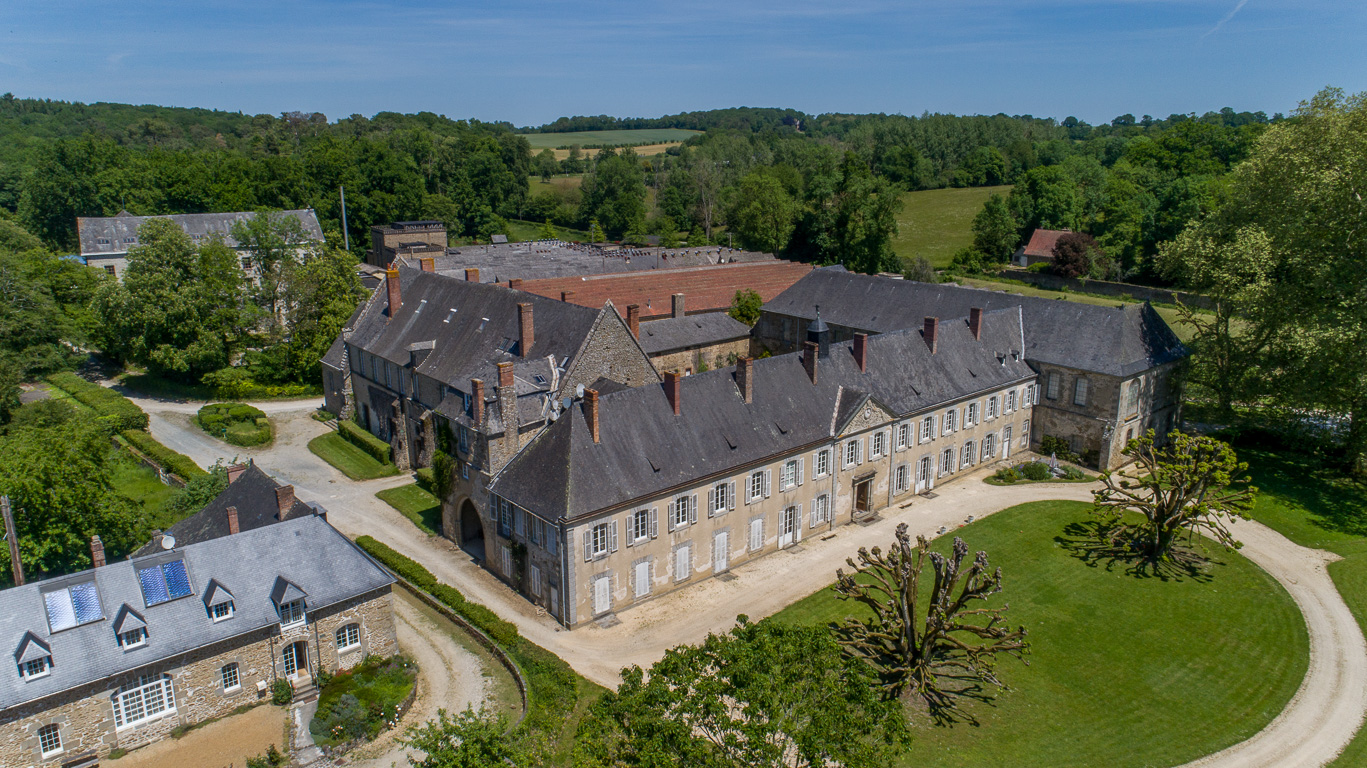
<point x="1025" y="433"/>
<point x="291" y="607"/>
<point x="1031" y="396"/>
<point x="821" y="510"/>
<point x="969" y="455"/>
<point x="901" y="483"/>
<point x="989" y="446"/>
<point x="971" y="418"/>
<point x="927" y="429"/>
<point x="600" y="533"/>
<point x="948" y="421"/>
<point x="992" y="407"/>
<point x="821" y="463"/>
<point x="878" y="445"/>
<point x="678" y="511"/>
<point x="640" y="525"/>
<point x="947" y="467"/>
<point x="1010" y="400"/>
<point x="720" y="501"/>
<point x="133" y="638"/>
<point x="44" y="668"/>
<point x="224" y="671"/>
<point x="166" y="701"/>
<point x="227" y="608"/>
<point x="787" y="475"/>
<point x="851" y="454"/>
<point x="348" y="636"/>
<point x="754" y="489"/>
<point x="55" y="732"/>
<point x="903" y="435"/>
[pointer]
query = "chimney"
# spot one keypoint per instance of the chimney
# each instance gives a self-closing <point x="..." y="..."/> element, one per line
<point x="505" y="375"/>
<point x="472" y="275"/>
<point x="677" y="305"/>
<point x="235" y="471"/>
<point x="672" y="384"/>
<point x="477" y="401"/>
<point x="809" y="355"/>
<point x="524" y="330"/>
<point x="515" y="283"/>
<point x="428" y="263"/>
<point x="232" y="521"/>
<point x="507" y="407"/>
<point x="861" y="351"/>
<point x="634" y="319"/>
<point x="391" y="282"/>
<point x="97" y="551"/>
<point x="975" y="322"/>
<point x="284" y="500"/>
<point x="932" y="330"/>
<point x="591" y="412"/>
<point x="565" y="295"/>
<point x="745" y="378"/>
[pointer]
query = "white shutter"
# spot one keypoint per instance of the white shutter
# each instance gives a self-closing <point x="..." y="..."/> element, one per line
<point x="711" y="500"/>
<point x="797" y="524"/>
<point x="588" y="545"/>
<point x="750" y="494"/>
<point x="756" y="534"/>
<point x="654" y="522"/>
<point x="631" y="529"/>
<point x="801" y="469"/>
<point x="612" y="539"/>
<point x="812" y="516"/>
<point x="670" y="511"/>
<point x="731" y="495"/>
<point x="767" y="474"/>
<point x="693" y="509"/>
<point x="859" y="451"/>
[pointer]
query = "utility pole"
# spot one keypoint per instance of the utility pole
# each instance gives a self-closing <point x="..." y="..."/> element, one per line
<point x="13" y="538"/>
<point x="346" y="236"/>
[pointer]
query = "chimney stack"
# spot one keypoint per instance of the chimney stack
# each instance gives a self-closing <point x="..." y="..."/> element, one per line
<point x="284" y="500"/>
<point x="677" y="305"/>
<point x="515" y="283"/>
<point x="428" y="263"/>
<point x="235" y="471"/>
<point x="505" y="375"/>
<point x="391" y="282"/>
<point x="634" y="319"/>
<point x="591" y="412"/>
<point x="472" y="275"/>
<point x="507" y="407"/>
<point x="97" y="551"/>
<point x="932" y="330"/>
<point x="524" y="330"/>
<point x="672" y="390"/>
<point x="232" y="521"/>
<point x="810" y="350"/>
<point x="861" y="351"/>
<point x="975" y="322"/>
<point x="477" y="401"/>
<point x="565" y="295"/>
<point x="745" y="378"/>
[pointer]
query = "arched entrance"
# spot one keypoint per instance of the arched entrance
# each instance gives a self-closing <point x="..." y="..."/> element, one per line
<point x="471" y="531"/>
<point x="296" y="658"/>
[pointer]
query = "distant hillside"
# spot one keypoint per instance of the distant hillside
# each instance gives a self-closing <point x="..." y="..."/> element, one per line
<point x="623" y="138"/>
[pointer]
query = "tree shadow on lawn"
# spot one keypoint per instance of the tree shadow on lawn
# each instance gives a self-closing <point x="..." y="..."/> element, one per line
<point x="1333" y="502"/>
<point x="1092" y="542"/>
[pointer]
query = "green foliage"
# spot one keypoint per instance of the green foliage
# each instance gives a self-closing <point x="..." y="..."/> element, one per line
<point x="1077" y="255"/>
<point x="43" y="306"/>
<point x="360" y="702"/>
<point x="968" y="261"/>
<point x="282" y="692"/>
<point x="236" y="423"/>
<point x="112" y="409"/>
<point x="1007" y="475"/>
<point x="176" y="463"/>
<point x="596" y="232"/>
<point x="358" y="436"/>
<point x="199" y="490"/>
<point x="469" y="740"/>
<point x="443" y="474"/>
<point x="1057" y="446"/>
<point x="920" y="269"/>
<point x="347" y="458"/>
<point x="273" y="758"/>
<point x="764" y="213"/>
<point x="615" y="192"/>
<point x="995" y="231"/>
<point x="746" y="306"/>
<point x="416" y="504"/>
<point x="1037" y="470"/>
<point x="547" y="231"/>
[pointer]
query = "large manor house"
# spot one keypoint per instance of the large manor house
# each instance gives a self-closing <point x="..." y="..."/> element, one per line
<point x="592" y="472"/>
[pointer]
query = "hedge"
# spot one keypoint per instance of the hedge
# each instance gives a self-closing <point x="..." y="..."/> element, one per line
<point x="552" y="687"/>
<point x="109" y="406"/>
<point x="372" y="445"/>
<point x="176" y="463"/>
<point x="236" y="423"/>
<point x="427" y="480"/>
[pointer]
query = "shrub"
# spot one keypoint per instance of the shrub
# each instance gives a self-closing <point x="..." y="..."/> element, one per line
<point x="1035" y="470"/>
<point x="110" y="407"/>
<point x="359" y="437"/>
<point x="1073" y="473"/>
<point x="426" y="478"/>
<point x="282" y="692"/>
<point x="236" y="423"/>
<point x="272" y="759"/>
<point x="359" y="702"/>
<point x="176" y="463"/>
<point x="1039" y="267"/>
<point x="443" y="475"/>
<point x="1059" y="447"/>
<point x="1007" y="475"/>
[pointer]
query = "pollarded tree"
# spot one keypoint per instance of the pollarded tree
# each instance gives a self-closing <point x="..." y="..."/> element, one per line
<point x="1194" y="484"/>
<point x="950" y="654"/>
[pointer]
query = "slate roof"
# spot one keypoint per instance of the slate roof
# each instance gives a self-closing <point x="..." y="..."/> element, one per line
<point x="120" y="232"/>
<point x="304" y="551"/>
<point x="1042" y="242"/>
<point x="671" y="333"/>
<point x="1117" y="340"/>
<point x="548" y="259"/>
<point x="253" y="493"/>
<point x="645" y="450"/>
<point x="706" y="289"/>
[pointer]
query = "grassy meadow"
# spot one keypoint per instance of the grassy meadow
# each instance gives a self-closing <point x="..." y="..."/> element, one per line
<point x="937" y="222"/>
<point x="616" y="138"/>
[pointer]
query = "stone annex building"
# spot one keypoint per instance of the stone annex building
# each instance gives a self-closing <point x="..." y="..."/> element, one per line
<point x="119" y="655"/>
<point x="589" y="485"/>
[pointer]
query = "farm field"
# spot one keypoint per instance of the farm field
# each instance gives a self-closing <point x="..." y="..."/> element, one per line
<point x="1124" y="671"/>
<point x="540" y="141"/>
<point x="937" y="222"/>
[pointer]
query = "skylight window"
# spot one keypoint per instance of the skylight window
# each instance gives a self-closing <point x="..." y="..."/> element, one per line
<point x="72" y="606"/>
<point x="450" y="314"/>
<point x="164" y="582"/>
<point x="421" y="304"/>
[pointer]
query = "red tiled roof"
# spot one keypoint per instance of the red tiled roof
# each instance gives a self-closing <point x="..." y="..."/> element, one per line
<point x="1042" y="242"/>
<point x="707" y="288"/>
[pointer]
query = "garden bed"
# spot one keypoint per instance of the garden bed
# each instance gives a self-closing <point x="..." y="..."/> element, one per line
<point x="355" y="705"/>
<point x="1031" y="472"/>
<point x="236" y="423"/>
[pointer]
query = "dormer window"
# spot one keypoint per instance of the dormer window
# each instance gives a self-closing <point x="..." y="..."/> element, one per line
<point x="34" y="657"/>
<point x="289" y="601"/>
<point x="130" y="628"/>
<point x="218" y="601"/>
<point x="291" y="613"/>
<point x="222" y="611"/>
<point x="133" y="638"/>
<point x="164" y="582"/>
<point x="40" y="667"/>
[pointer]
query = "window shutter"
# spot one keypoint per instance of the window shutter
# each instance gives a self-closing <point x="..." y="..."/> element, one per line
<point x="612" y="540"/>
<point x="812" y="524"/>
<point x="731" y="494"/>
<point x="631" y="529"/>
<point x="631" y="578"/>
<point x="801" y="469"/>
<point x="797" y="527"/>
<point x="767" y="474"/>
<point x="693" y="509"/>
<point x="711" y="500"/>
<point x="749" y="489"/>
<point x="588" y="545"/>
<point x="859" y="451"/>
<point x="670" y="511"/>
<point x="654" y="522"/>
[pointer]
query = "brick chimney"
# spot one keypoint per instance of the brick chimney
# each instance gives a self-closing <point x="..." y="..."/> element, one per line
<point x="235" y="471"/>
<point x="515" y="283"/>
<point x="861" y="351"/>
<point x="565" y="295"/>
<point x="428" y="263"/>
<point x="472" y="275"/>
<point x="932" y="331"/>
<point x="477" y="401"/>
<point x="975" y="322"/>
<point x="810" y="350"/>
<point x="745" y="378"/>
<point x="525" y="335"/>
<point x="505" y="375"/>
<point x="634" y="319"/>
<point x="677" y="305"/>
<point x="391" y="282"/>
<point x="591" y="412"/>
<point x="284" y="500"/>
<point x="672" y="390"/>
<point x="97" y="551"/>
<point x="232" y="521"/>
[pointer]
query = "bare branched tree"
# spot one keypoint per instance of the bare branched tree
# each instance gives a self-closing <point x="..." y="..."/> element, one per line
<point x="949" y="655"/>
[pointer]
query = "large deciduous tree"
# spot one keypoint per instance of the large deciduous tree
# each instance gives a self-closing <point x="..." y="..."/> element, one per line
<point x="469" y="740"/>
<point x="995" y="233"/>
<point x="941" y="650"/>
<point x="615" y="193"/>
<point x="274" y="243"/>
<point x="762" y="694"/>
<point x="763" y="213"/>
<point x="1194" y="484"/>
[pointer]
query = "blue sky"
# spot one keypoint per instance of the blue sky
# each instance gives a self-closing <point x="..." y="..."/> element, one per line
<point x="530" y="62"/>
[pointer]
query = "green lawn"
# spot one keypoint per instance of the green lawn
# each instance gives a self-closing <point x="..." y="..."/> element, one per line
<point x="937" y="222"/>
<point x="540" y="141"/>
<point x="352" y="461"/>
<point x="525" y="231"/>
<point x="1124" y="671"/>
<point x="137" y="482"/>
<point x="415" y="504"/>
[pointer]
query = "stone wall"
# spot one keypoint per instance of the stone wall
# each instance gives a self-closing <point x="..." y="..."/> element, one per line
<point x="692" y="360"/>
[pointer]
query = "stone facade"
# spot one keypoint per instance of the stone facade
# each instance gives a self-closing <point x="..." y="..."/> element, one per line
<point x="85" y="715"/>
<point x="406" y="238"/>
<point x="696" y="359"/>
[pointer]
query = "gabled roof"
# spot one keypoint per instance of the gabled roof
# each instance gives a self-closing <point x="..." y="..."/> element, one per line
<point x="31" y="648"/>
<point x="1119" y="340"/>
<point x="286" y="591"/>
<point x="120" y="233"/>
<point x="253" y="493"/>
<point x="127" y="620"/>
<point x="645" y="450"/>
<point x="671" y="333"/>
<point x="1042" y="242"/>
<point x="216" y="594"/>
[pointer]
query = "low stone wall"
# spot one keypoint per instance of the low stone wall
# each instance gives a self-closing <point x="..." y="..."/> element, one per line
<point x="1104" y="288"/>
<point x="175" y="481"/>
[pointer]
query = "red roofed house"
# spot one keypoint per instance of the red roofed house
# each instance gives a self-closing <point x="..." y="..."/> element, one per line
<point x="1040" y="248"/>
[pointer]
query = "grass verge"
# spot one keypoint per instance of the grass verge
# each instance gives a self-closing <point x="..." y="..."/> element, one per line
<point x="937" y="222"/>
<point x="348" y="459"/>
<point x="416" y="504"/>
<point x="1124" y="671"/>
